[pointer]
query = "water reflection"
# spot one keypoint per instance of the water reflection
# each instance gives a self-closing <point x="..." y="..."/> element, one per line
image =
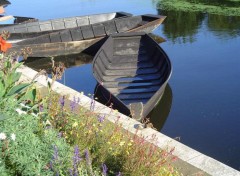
<point x="158" y="115"/>
<point x="224" y="27"/>
<point x="183" y="27"/>
<point x="69" y="61"/>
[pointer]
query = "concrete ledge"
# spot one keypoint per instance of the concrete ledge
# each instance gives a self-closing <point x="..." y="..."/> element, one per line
<point x="191" y="161"/>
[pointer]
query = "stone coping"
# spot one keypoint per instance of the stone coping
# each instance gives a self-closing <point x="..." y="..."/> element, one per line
<point x="196" y="162"/>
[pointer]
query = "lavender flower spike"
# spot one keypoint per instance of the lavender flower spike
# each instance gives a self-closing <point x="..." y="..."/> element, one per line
<point x="104" y="169"/>
<point x="73" y="104"/>
<point x="92" y="106"/>
<point x="55" y="155"/>
<point x="101" y="118"/>
<point x="62" y="101"/>
<point x="76" y="161"/>
<point x="88" y="159"/>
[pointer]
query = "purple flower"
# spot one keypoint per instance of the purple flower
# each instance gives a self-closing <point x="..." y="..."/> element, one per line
<point x="62" y="101"/>
<point x="76" y="160"/>
<point x="101" y="118"/>
<point x="119" y="174"/>
<point x="55" y="154"/>
<point x="92" y="106"/>
<point x="41" y="108"/>
<point x="59" y="135"/>
<point x="73" y="104"/>
<point x="104" y="169"/>
<point x="87" y="157"/>
<point x="51" y="165"/>
<point x="71" y="172"/>
<point x="54" y="157"/>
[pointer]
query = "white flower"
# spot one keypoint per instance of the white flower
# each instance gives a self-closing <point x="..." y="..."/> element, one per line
<point x="13" y="136"/>
<point x="48" y="122"/>
<point x="20" y="112"/>
<point x="3" y="136"/>
<point x="35" y="115"/>
<point x="25" y="106"/>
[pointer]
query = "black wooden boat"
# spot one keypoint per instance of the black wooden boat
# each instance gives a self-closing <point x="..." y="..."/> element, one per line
<point x="132" y="71"/>
<point x="75" y="40"/>
<point x="18" y="20"/>
<point x="33" y="29"/>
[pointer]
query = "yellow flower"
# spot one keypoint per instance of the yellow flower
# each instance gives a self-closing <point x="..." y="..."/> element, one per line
<point x="74" y="124"/>
<point x="122" y="143"/>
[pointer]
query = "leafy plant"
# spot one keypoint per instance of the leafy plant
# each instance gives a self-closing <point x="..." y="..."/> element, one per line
<point x="8" y="79"/>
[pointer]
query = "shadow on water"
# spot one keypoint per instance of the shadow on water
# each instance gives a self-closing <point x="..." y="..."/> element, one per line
<point x="158" y="115"/>
<point x="69" y="61"/>
<point x="183" y="27"/>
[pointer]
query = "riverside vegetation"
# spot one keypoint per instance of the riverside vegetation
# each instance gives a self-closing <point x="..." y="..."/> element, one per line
<point x="221" y="7"/>
<point x="47" y="135"/>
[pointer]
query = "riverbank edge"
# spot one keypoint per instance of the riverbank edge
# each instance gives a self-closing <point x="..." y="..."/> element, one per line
<point x="190" y="161"/>
<point x="198" y="7"/>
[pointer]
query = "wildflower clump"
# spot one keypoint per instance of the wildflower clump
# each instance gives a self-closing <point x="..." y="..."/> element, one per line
<point x="115" y="150"/>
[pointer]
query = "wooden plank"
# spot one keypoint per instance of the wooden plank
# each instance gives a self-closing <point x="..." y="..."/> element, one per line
<point x="76" y="34"/>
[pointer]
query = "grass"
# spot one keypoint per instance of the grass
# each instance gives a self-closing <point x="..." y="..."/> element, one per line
<point x="220" y="8"/>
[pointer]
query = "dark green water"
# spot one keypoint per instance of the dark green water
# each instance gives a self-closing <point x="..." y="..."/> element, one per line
<point x="202" y="102"/>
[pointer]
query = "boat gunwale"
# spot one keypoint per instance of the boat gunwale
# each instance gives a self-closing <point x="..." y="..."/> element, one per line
<point x="163" y="84"/>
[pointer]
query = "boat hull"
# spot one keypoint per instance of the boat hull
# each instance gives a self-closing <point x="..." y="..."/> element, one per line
<point x="132" y="71"/>
<point x="86" y="38"/>
<point x="34" y="29"/>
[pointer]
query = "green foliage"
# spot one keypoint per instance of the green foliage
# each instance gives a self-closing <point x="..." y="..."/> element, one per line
<point x="108" y="143"/>
<point x="32" y="150"/>
<point x="62" y="140"/>
<point x="8" y="79"/>
<point x="226" y="7"/>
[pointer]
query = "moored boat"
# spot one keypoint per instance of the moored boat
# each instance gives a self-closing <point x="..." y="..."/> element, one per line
<point x="132" y="71"/>
<point x="76" y="40"/>
<point x="15" y="20"/>
<point x="33" y="29"/>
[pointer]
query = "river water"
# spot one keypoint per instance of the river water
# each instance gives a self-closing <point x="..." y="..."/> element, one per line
<point x="201" y="104"/>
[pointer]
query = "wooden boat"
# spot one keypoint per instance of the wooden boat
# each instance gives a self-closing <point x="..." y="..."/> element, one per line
<point x="33" y="29"/>
<point x="88" y="37"/>
<point x="14" y="20"/>
<point x="132" y="71"/>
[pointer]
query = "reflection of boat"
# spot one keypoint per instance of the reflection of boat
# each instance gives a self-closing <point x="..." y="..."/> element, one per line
<point x="133" y="71"/>
<point x="76" y="40"/>
<point x="68" y="61"/>
<point x="159" y="114"/>
<point x="4" y="3"/>
<point x="14" y="20"/>
<point x="33" y="29"/>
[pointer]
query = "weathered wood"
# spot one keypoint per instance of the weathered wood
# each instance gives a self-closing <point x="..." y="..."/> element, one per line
<point x="89" y="35"/>
<point x="129" y="77"/>
<point x="23" y="31"/>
